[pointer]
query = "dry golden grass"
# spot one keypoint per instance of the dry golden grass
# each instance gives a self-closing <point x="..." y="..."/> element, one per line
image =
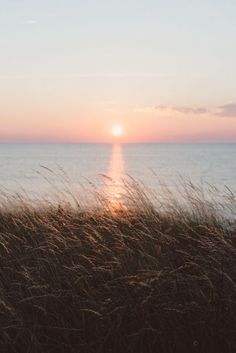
<point x="136" y="278"/>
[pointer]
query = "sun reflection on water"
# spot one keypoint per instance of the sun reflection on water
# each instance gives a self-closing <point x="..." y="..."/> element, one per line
<point x="115" y="186"/>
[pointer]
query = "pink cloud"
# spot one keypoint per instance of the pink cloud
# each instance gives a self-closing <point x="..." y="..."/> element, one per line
<point x="227" y="110"/>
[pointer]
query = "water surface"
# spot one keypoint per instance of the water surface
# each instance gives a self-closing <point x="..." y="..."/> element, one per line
<point x="41" y="169"/>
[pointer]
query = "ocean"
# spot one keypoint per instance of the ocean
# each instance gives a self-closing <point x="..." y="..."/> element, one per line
<point x="46" y="170"/>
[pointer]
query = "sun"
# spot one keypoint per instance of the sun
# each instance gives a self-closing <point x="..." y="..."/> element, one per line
<point x="117" y="131"/>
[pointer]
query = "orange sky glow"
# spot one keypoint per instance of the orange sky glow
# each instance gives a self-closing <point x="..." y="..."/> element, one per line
<point x="137" y="126"/>
<point x="70" y="72"/>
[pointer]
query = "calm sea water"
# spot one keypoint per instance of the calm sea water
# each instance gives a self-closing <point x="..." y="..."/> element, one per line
<point x="42" y="169"/>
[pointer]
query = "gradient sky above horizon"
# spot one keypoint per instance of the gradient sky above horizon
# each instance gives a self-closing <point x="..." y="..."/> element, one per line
<point x="164" y="70"/>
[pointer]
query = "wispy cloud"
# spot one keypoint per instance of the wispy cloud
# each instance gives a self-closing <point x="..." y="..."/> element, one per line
<point x="189" y="110"/>
<point x="29" y="21"/>
<point x="227" y="110"/>
<point x="118" y="75"/>
<point x="183" y="109"/>
<point x="173" y="109"/>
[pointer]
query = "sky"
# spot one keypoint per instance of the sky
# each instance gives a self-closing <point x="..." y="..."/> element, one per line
<point x="163" y="70"/>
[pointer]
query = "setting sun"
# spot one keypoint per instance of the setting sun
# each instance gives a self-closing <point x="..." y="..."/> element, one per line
<point x="117" y="131"/>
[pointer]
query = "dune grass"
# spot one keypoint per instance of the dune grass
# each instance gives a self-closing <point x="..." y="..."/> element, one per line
<point x="137" y="278"/>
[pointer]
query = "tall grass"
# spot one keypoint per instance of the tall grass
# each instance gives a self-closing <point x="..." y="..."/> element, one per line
<point x="133" y="278"/>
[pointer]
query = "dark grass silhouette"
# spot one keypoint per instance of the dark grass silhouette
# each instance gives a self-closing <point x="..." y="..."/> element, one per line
<point x="134" y="278"/>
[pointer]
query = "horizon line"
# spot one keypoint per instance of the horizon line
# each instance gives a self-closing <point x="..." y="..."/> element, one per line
<point x="41" y="142"/>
